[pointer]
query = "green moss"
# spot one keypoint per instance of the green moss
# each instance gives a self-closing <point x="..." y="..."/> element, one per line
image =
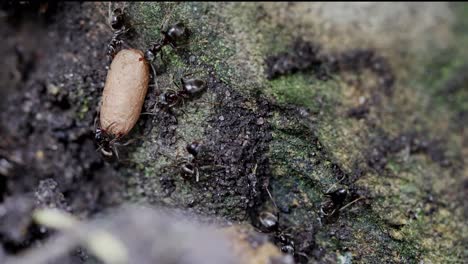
<point x="302" y="155"/>
<point x="440" y="69"/>
<point x="302" y="90"/>
<point x="83" y="108"/>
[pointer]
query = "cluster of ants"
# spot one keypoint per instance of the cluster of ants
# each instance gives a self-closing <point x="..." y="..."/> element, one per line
<point x="188" y="88"/>
<point x="171" y="36"/>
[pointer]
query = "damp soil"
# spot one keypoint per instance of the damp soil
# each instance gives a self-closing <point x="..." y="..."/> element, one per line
<point x="48" y="155"/>
<point x="53" y="68"/>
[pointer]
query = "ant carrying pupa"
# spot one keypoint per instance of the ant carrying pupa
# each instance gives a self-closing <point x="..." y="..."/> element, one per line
<point x="127" y="83"/>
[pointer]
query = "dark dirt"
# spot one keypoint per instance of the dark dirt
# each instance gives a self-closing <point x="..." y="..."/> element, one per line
<point x="303" y="56"/>
<point x="47" y="155"/>
<point x="383" y="146"/>
<point x="242" y="135"/>
<point x="232" y="161"/>
<point x="307" y="56"/>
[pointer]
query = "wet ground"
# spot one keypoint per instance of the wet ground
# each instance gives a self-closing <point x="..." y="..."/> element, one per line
<point x="54" y="61"/>
<point x="48" y="154"/>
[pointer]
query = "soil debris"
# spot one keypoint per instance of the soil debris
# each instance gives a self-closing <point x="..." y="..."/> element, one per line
<point x="308" y="56"/>
<point x="384" y="146"/>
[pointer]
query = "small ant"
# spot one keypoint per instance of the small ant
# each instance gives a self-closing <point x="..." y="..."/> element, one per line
<point x="108" y="143"/>
<point x="119" y="24"/>
<point x="105" y="142"/>
<point x="336" y="201"/>
<point x="190" y="87"/>
<point x="171" y="36"/>
<point x="118" y="19"/>
<point x="189" y="166"/>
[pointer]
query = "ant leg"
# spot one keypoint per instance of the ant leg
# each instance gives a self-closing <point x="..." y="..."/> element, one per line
<point x="175" y="118"/>
<point x="350" y="203"/>
<point x="172" y="90"/>
<point x="162" y="58"/>
<point x="109" y="12"/>
<point x="114" y="148"/>
<point x="130" y="141"/>
<point x="191" y="73"/>
<point x="179" y="46"/>
<point x="184" y="113"/>
<point x="271" y="197"/>
<point x="124" y="44"/>
<point x="105" y="152"/>
<point x="164" y="24"/>
<point x="99" y="148"/>
<point x="175" y="83"/>
<point x="148" y="113"/>
<point x="154" y="77"/>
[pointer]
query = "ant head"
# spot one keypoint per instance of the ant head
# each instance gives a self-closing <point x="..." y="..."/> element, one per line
<point x="169" y="98"/>
<point x="193" y="86"/>
<point x="98" y="135"/>
<point x="193" y="148"/>
<point x="268" y="220"/>
<point x="338" y="196"/>
<point x="176" y="32"/>
<point x="104" y="142"/>
<point x="188" y="169"/>
<point x="149" y="55"/>
<point x="117" y="20"/>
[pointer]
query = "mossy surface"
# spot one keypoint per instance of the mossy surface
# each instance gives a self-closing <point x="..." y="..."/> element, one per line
<point x="404" y="211"/>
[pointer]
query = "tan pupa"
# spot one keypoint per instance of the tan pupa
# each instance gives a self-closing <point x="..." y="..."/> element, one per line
<point x="124" y="92"/>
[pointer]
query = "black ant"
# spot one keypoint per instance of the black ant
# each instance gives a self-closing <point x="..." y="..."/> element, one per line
<point x="104" y="142"/>
<point x="120" y="24"/>
<point x="335" y="203"/>
<point x="190" y="87"/>
<point x="108" y="143"/>
<point x="189" y="166"/>
<point x="171" y="36"/>
<point x="118" y="19"/>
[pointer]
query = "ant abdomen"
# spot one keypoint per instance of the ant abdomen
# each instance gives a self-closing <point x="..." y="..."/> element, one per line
<point x="118" y="19"/>
<point x="193" y="86"/>
<point x="176" y="33"/>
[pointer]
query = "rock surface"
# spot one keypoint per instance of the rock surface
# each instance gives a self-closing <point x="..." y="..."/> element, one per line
<point x="347" y="120"/>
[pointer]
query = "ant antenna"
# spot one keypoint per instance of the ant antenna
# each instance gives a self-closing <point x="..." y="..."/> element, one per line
<point x="271" y="197"/>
